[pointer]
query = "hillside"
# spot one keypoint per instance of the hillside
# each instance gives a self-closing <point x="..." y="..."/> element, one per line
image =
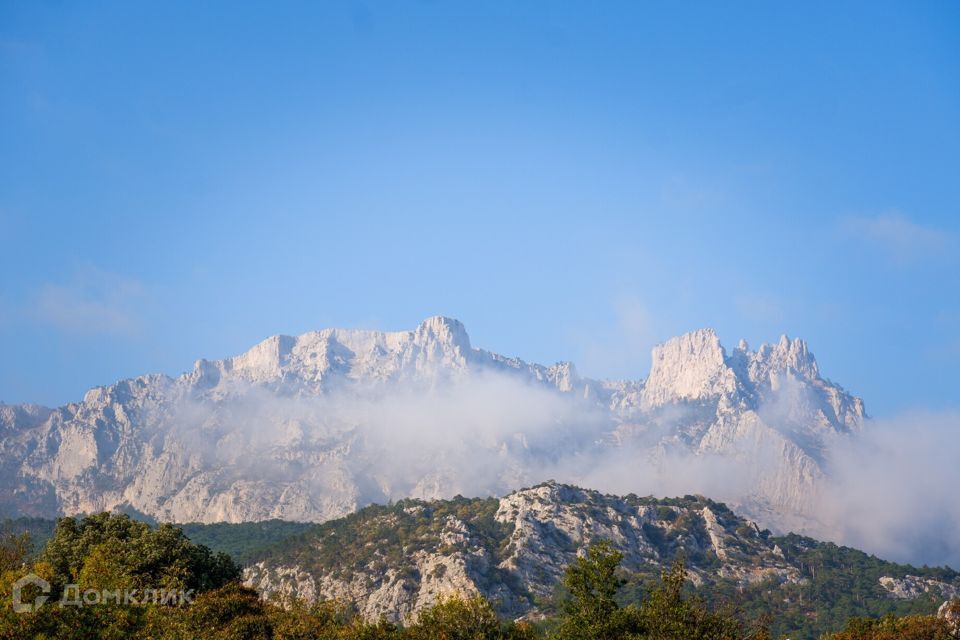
<point x="393" y="561"/>
<point x="241" y="541"/>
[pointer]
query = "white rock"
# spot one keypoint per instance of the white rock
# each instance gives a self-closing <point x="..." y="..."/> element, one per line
<point x="250" y="438"/>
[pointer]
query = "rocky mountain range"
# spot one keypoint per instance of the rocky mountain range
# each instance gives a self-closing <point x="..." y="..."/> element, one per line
<point x="314" y="427"/>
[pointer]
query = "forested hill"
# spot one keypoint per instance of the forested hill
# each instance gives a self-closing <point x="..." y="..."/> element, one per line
<point x="243" y="541"/>
<point x="395" y="560"/>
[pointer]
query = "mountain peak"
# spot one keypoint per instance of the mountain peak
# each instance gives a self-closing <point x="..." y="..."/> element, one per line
<point x="689" y="367"/>
<point x="787" y="356"/>
<point x="444" y="329"/>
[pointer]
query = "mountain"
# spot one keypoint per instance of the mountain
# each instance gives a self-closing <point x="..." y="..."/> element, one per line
<point x="314" y="427"/>
<point x="394" y="561"/>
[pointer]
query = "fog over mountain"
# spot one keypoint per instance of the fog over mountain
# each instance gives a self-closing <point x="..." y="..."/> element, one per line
<point x="316" y="426"/>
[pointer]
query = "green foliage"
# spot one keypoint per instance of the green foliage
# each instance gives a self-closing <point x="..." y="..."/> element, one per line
<point x="297" y="620"/>
<point x="838" y="583"/>
<point x="382" y="537"/>
<point x="591" y="610"/>
<point x="668" y="614"/>
<point x="101" y="622"/>
<point x="230" y="613"/>
<point x="39" y="530"/>
<point x="107" y="551"/>
<point x="893" y="628"/>
<point x="244" y="541"/>
<point x="458" y="618"/>
<point x="666" y="513"/>
<point x="14" y="551"/>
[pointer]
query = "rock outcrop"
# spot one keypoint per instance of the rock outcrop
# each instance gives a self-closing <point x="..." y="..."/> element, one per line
<point x="911" y="587"/>
<point x="950" y="611"/>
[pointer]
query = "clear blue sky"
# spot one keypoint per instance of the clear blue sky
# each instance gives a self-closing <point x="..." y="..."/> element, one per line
<point x="572" y="181"/>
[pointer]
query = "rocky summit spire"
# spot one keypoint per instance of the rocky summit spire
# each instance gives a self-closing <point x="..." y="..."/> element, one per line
<point x="689" y="367"/>
<point x="446" y="331"/>
<point x="786" y="356"/>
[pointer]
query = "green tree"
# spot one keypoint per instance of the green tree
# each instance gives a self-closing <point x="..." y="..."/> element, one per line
<point x="591" y="610"/>
<point x="232" y="612"/>
<point x="666" y="614"/>
<point x="14" y="550"/>
<point x="894" y="628"/>
<point x="113" y="551"/>
<point x="294" y="619"/>
<point x="457" y="618"/>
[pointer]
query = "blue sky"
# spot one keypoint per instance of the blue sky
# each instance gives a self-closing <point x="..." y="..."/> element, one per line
<point x="572" y="181"/>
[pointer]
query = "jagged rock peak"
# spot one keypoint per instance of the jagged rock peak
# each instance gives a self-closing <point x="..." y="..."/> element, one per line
<point x="436" y="343"/>
<point x="563" y="375"/>
<point x="789" y="355"/>
<point x="19" y="415"/>
<point x="445" y="330"/>
<point x="692" y="366"/>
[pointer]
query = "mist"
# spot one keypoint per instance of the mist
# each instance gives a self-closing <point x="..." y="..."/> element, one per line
<point x="890" y="490"/>
<point x="895" y="489"/>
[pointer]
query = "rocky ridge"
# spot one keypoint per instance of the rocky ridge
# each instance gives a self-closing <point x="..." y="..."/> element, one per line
<point x="512" y="551"/>
<point x="391" y="562"/>
<point x="285" y="429"/>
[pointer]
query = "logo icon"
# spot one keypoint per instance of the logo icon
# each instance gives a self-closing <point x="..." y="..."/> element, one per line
<point x="30" y="579"/>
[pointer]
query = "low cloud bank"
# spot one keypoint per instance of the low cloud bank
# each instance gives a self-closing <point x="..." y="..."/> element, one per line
<point x="893" y="490"/>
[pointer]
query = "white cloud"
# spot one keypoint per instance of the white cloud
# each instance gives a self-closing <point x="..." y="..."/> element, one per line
<point x="486" y="434"/>
<point x="92" y="301"/>
<point x="900" y="238"/>
<point x="894" y="490"/>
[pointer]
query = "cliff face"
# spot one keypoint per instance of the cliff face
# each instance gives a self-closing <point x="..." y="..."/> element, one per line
<point x="768" y="409"/>
<point x="313" y="427"/>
